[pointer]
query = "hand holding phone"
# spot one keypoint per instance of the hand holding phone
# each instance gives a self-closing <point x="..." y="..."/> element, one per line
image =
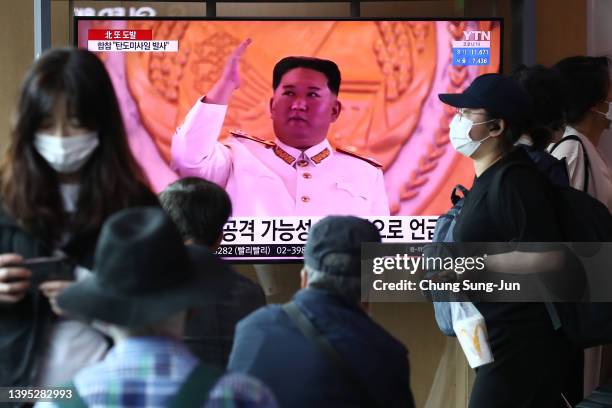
<point x="51" y="289"/>
<point x="44" y="269"/>
<point x="14" y="279"/>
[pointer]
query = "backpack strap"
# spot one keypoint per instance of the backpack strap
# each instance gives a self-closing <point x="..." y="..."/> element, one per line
<point x="493" y="193"/>
<point x="456" y="197"/>
<point x="587" y="163"/>
<point x="491" y="200"/>
<point x="75" y="401"/>
<point x="194" y="390"/>
<point x="322" y="343"/>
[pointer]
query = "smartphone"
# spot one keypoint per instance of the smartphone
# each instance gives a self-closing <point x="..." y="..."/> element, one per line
<point x="48" y="268"/>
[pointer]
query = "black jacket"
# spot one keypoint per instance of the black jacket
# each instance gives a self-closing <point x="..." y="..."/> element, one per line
<point x="23" y="324"/>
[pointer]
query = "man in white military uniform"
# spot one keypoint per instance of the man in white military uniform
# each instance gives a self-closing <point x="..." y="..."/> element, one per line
<point x="297" y="174"/>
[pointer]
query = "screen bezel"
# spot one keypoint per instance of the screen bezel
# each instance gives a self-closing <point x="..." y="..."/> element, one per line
<point x="76" y="20"/>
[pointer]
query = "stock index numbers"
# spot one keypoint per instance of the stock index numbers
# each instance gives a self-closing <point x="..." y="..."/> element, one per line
<point x="473" y="50"/>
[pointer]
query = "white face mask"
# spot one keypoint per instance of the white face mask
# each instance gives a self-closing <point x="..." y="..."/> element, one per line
<point x="66" y="154"/>
<point x="608" y="114"/>
<point x="460" y="135"/>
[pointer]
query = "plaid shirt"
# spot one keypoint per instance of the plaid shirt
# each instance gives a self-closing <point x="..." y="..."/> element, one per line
<point x="137" y="372"/>
<point x="148" y="371"/>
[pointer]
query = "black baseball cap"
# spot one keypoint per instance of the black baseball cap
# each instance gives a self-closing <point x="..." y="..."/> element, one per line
<point x="503" y="97"/>
<point x="334" y="244"/>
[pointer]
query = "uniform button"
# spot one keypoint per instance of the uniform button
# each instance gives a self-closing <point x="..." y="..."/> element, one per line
<point x="305" y="199"/>
<point x="302" y="163"/>
<point x="307" y="175"/>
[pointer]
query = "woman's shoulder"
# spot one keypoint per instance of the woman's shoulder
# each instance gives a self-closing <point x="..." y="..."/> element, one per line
<point x="6" y="219"/>
<point x="519" y="166"/>
<point x="519" y="180"/>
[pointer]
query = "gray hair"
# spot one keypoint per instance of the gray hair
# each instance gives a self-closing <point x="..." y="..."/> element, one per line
<point x="347" y="287"/>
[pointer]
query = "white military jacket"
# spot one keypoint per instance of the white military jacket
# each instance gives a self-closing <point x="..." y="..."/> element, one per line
<point x="270" y="178"/>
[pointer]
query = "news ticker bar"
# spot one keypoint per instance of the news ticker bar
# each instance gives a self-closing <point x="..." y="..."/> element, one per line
<point x="35" y="394"/>
<point x="283" y="238"/>
<point x="294" y="230"/>
<point x="487" y="272"/>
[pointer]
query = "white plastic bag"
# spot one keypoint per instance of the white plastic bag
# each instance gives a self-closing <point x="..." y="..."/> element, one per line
<point x="471" y="330"/>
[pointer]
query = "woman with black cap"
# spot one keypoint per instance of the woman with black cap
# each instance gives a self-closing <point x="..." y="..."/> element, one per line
<point x="510" y="200"/>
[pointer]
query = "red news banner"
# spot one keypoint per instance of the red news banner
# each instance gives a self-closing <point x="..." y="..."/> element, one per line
<point x="109" y="40"/>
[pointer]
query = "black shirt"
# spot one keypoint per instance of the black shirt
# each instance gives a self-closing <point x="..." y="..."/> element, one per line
<point x="521" y="210"/>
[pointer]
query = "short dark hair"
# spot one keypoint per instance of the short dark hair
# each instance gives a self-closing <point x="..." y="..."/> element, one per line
<point x="198" y="207"/>
<point x="545" y="87"/>
<point x="326" y="67"/>
<point x="586" y="81"/>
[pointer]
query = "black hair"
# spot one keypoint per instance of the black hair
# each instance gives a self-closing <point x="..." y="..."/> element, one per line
<point x="109" y="181"/>
<point x="549" y="100"/>
<point x="586" y="81"/>
<point x="326" y="67"/>
<point x="198" y="207"/>
<point x="513" y="131"/>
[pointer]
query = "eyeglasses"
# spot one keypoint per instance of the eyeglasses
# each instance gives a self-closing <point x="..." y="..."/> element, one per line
<point x="468" y="112"/>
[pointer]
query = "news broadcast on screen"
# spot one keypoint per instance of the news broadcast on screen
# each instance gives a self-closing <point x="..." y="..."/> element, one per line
<point x="386" y="157"/>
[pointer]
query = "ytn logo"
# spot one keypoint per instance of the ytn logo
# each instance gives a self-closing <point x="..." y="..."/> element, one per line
<point x="477" y="36"/>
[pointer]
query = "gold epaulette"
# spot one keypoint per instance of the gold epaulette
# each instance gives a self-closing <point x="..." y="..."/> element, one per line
<point x="373" y="162"/>
<point x="244" y="135"/>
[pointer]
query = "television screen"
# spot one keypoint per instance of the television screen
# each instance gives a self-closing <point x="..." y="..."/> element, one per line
<point x="386" y="155"/>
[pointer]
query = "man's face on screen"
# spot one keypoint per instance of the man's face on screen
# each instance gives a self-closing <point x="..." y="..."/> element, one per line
<point x="303" y="107"/>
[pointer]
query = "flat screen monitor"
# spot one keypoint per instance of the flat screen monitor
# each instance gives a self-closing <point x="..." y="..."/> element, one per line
<point x="386" y="155"/>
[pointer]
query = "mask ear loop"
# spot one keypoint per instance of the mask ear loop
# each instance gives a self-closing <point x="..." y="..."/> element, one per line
<point x="482" y="123"/>
<point x="608" y="114"/>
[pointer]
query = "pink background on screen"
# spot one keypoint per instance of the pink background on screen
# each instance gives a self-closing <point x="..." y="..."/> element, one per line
<point x="392" y="73"/>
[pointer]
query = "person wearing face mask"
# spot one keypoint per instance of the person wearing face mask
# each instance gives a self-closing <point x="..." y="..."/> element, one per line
<point x="589" y="113"/>
<point x="510" y="200"/>
<point x="67" y="169"/>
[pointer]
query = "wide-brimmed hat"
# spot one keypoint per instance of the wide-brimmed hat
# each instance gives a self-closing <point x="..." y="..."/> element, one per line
<point x="143" y="273"/>
<point x="334" y="244"/>
<point x="501" y="96"/>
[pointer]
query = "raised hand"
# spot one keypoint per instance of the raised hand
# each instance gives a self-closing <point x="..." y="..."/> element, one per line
<point x="222" y="90"/>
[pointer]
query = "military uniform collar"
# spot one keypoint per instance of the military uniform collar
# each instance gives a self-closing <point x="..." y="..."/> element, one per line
<point x="315" y="154"/>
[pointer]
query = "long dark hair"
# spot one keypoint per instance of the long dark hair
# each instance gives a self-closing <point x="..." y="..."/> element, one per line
<point x="546" y="89"/>
<point x="109" y="181"/>
<point x="586" y="81"/>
